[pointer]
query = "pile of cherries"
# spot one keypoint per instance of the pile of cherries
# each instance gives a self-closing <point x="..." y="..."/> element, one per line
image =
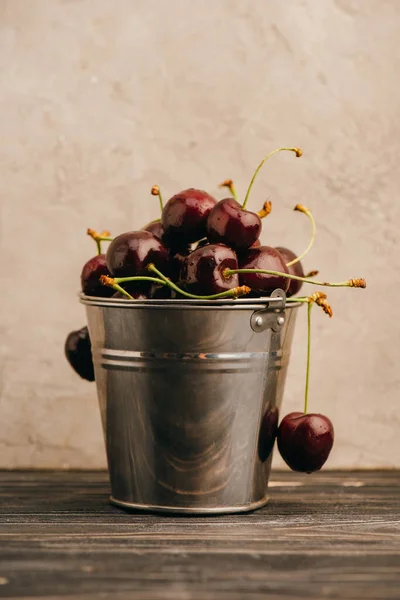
<point x="202" y="248"/>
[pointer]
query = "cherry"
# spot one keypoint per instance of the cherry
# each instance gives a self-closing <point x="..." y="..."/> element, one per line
<point x="294" y="269"/>
<point x="184" y="216"/>
<point x="305" y="441"/>
<point x="131" y="252"/>
<point x="203" y="270"/>
<point x="177" y="264"/>
<point x="268" y="433"/>
<point x="78" y="352"/>
<point x="263" y="257"/>
<point x="155" y="228"/>
<point x="90" y="277"/>
<point x="229" y="224"/>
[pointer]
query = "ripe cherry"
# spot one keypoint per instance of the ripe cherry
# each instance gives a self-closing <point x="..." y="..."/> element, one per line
<point x="184" y="217"/>
<point x="229" y="224"/>
<point x="130" y="253"/>
<point x="295" y="269"/>
<point x="90" y="277"/>
<point x="305" y="441"/>
<point x="263" y="257"/>
<point x="155" y="228"/>
<point x="203" y="270"/>
<point x="78" y="352"/>
<point x="268" y="432"/>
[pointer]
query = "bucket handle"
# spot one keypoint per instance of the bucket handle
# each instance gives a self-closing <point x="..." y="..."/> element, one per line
<point x="272" y="315"/>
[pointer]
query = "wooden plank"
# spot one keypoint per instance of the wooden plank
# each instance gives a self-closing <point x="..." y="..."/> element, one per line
<point x="329" y="535"/>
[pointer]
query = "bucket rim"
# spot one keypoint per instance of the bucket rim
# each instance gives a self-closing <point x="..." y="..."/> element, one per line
<point x="188" y="303"/>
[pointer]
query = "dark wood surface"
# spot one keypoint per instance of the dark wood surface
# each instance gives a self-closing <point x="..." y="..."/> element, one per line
<point x="329" y="535"/>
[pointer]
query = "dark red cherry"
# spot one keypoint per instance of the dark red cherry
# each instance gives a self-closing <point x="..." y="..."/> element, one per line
<point x="229" y="224"/>
<point x="268" y="432"/>
<point x="174" y="246"/>
<point x="177" y="264"/>
<point x="184" y="217"/>
<point x="263" y="257"/>
<point x="78" y="352"/>
<point x="130" y="253"/>
<point x="155" y="228"/>
<point x="90" y="277"/>
<point x="305" y="441"/>
<point x="204" y="267"/>
<point x="256" y="244"/>
<point x="296" y="269"/>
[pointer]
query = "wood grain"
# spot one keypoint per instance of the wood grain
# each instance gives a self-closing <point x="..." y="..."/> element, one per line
<point x="329" y="535"/>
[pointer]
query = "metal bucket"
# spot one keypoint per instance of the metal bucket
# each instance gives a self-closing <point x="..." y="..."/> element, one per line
<point x="189" y="394"/>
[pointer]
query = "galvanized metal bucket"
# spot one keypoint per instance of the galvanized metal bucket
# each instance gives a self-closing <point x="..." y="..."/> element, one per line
<point x="189" y="393"/>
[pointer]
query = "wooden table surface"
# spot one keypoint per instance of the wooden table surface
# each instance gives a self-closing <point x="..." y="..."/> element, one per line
<point x="328" y="535"/>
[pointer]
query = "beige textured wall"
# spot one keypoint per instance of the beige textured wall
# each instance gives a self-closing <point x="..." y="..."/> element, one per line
<point x="99" y="100"/>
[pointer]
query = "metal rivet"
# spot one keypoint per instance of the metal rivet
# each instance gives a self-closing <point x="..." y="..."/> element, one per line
<point x="259" y="321"/>
<point x="280" y="320"/>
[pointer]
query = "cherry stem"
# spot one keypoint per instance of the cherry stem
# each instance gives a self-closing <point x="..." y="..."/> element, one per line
<point x="228" y="183"/>
<point x="114" y="283"/>
<point x="319" y="298"/>
<point x="139" y="278"/>
<point x="266" y="209"/>
<point x="155" y="191"/>
<point x="311" y="273"/>
<point x="359" y="283"/>
<point x="307" y="212"/>
<point x="298" y="153"/>
<point x="237" y="291"/>
<point x="309" y="308"/>
<point x="99" y="237"/>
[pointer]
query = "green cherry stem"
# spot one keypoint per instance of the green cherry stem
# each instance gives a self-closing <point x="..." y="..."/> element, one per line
<point x="298" y="153"/>
<point x="309" y="309"/>
<point x="155" y="191"/>
<point x="118" y="288"/>
<point x="308" y="213"/>
<point x="228" y="183"/>
<point x="99" y="237"/>
<point x="114" y="282"/>
<point x="238" y="291"/>
<point x="119" y="280"/>
<point x="359" y="283"/>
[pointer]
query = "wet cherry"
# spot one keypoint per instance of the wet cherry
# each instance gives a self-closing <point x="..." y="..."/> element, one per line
<point x="263" y="257"/>
<point x="90" y="277"/>
<point x="305" y="441"/>
<point x="130" y="253"/>
<point x="229" y="224"/>
<point x="184" y="216"/>
<point x="204" y="267"/>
